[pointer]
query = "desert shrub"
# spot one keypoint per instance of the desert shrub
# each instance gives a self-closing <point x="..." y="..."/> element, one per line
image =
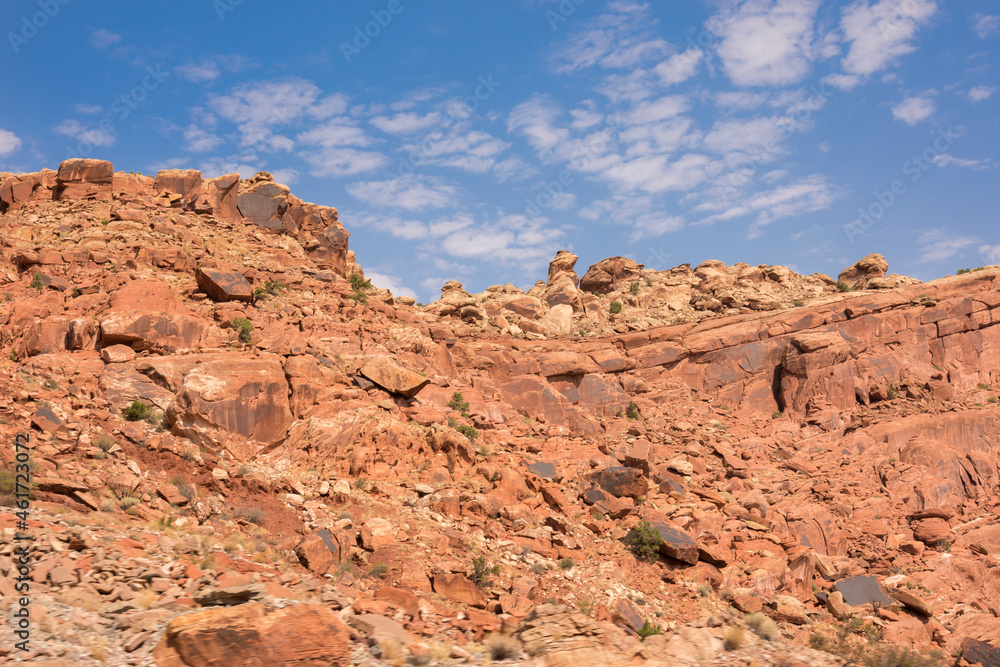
<point x="458" y="404"/>
<point x="763" y="626"/>
<point x="843" y="287"/>
<point x="359" y="284"/>
<point x="734" y="637"/>
<point x="634" y="288"/>
<point x="244" y="329"/>
<point x="36" y="282"/>
<point x="644" y="542"/>
<point x="481" y="573"/>
<point x="586" y="607"/>
<point x="615" y="307"/>
<point x="883" y="655"/>
<point x="138" y="411"/>
<point x="469" y="432"/>
<point x="632" y="410"/>
<point x="377" y="571"/>
<point x="566" y="563"/>
<point x="254" y="515"/>
<point x="502" y="647"/>
<point x="648" y="630"/>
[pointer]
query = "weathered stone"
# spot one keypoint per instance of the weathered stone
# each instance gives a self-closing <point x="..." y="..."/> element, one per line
<point x="303" y="635"/>
<point x="391" y="376"/>
<point x="621" y="481"/>
<point x="322" y="552"/>
<point x="862" y="590"/>
<point x="224" y="285"/>
<point x="458" y="588"/>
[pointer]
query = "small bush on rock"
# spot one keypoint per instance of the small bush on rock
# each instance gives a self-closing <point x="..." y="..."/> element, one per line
<point x="644" y="542"/>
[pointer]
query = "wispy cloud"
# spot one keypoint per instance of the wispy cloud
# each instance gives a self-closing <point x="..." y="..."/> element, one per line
<point x="102" y="38"/>
<point x="409" y="193"/>
<point x="940" y="244"/>
<point x="985" y="25"/>
<point x="981" y="93"/>
<point x="914" y="110"/>
<point x="9" y="143"/>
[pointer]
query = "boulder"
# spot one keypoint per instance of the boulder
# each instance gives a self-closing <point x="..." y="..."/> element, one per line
<point x="867" y="268"/>
<point x="299" y="635"/>
<point x="322" y="552"/>
<point x="223" y="286"/>
<point x="561" y="288"/>
<point x="604" y="276"/>
<point x="117" y="354"/>
<point x="458" y="588"/>
<point x="392" y="377"/>
<point x="621" y="481"/>
<point x="81" y="178"/>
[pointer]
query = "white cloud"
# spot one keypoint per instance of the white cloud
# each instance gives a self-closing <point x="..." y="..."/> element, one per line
<point x="102" y="39"/>
<point x="76" y="130"/>
<point x="88" y="109"/>
<point x="535" y="119"/>
<point x="618" y="39"/>
<point x="941" y="244"/>
<point x="806" y="195"/>
<point x="757" y="135"/>
<point x="258" y="107"/>
<point x="474" y="151"/>
<point x="640" y="213"/>
<point x="406" y="123"/>
<point x="914" y="110"/>
<point x="656" y="110"/>
<point x="200" y="72"/>
<point x="879" y="34"/>
<point x="198" y="140"/>
<point x="945" y="160"/>
<point x="9" y="143"/>
<point x="980" y="93"/>
<point x="392" y="283"/>
<point x="340" y="161"/>
<point x="409" y="193"/>
<point x="740" y="100"/>
<point x="680" y="67"/>
<point x="246" y="165"/>
<point x="986" y="25"/>
<point x="335" y="132"/>
<point x="767" y="42"/>
<point x="991" y="253"/>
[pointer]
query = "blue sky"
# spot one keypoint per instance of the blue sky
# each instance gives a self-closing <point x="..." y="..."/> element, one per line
<point x="472" y="140"/>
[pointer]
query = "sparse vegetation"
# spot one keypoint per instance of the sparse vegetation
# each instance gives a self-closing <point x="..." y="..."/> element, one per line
<point x="377" y="571"/>
<point x="734" y="637"/>
<point x="798" y="304"/>
<point x="763" y="627"/>
<point x="254" y="515"/>
<point x="270" y="288"/>
<point x="648" y="630"/>
<point x="361" y="288"/>
<point x="776" y="414"/>
<point x="482" y="573"/>
<point x="459" y="404"/>
<point x="586" y="607"/>
<point x="644" y="542"/>
<point x="892" y="392"/>
<point x="632" y="410"/>
<point x="634" y="288"/>
<point x="615" y="307"/>
<point x="502" y="647"/>
<point x="244" y="329"/>
<point x="36" y="282"/>
<point x="138" y="411"/>
<point x="566" y="563"/>
<point x="843" y="287"/>
<point x="469" y="432"/>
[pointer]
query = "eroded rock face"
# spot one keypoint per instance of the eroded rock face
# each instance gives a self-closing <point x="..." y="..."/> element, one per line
<point x="81" y="178"/>
<point x="868" y="268"/>
<point x="219" y="399"/>
<point x="601" y="277"/>
<point x="304" y="635"/>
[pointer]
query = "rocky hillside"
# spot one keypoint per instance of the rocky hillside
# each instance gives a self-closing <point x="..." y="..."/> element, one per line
<point x="234" y="435"/>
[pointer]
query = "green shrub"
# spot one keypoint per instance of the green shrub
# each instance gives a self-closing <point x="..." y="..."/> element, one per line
<point x="634" y="288"/>
<point x="244" y="328"/>
<point x="843" y="287"/>
<point x="798" y="304"/>
<point x="776" y="414"/>
<point x="893" y="392"/>
<point x="632" y="410"/>
<point x="138" y="411"/>
<point x="882" y="655"/>
<point x="378" y="571"/>
<point x="648" y="630"/>
<point x="481" y="573"/>
<point x="458" y="404"/>
<point x="566" y="563"/>
<point x="129" y="501"/>
<point x="615" y="307"/>
<point x="469" y="432"/>
<point x="36" y="282"/>
<point x="270" y="288"/>
<point x="359" y="284"/>
<point x="644" y="542"/>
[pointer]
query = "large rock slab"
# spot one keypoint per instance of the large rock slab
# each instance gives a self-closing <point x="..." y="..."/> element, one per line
<point x="224" y="285"/>
<point x="301" y="635"/>
<point x="323" y="551"/>
<point x="242" y="396"/>
<point x="392" y="377"/>
<point x="621" y="481"/>
<point x="81" y="178"/>
<point x="676" y="543"/>
<point x="458" y="588"/>
<point x="862" y="590"/>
